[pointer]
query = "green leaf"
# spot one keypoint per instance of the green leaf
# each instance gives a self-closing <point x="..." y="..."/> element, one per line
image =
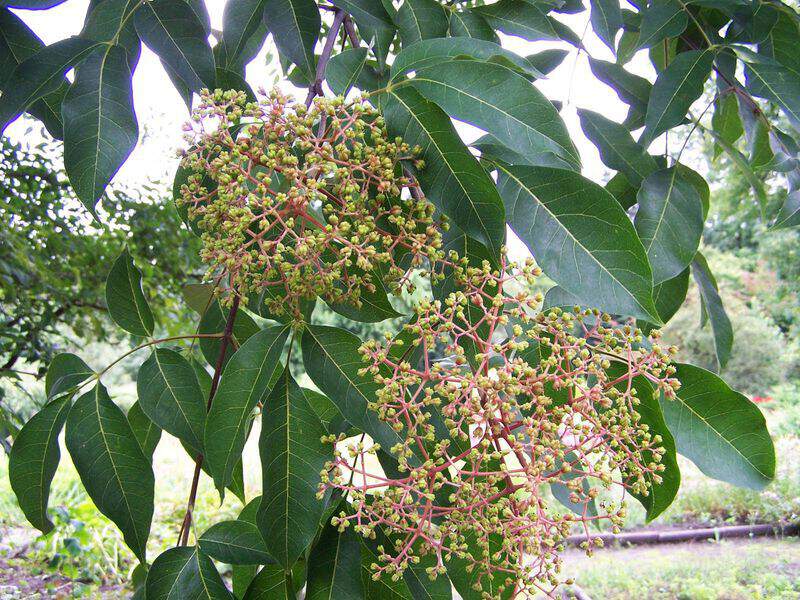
<point x="292" y="456"/>
<point x="116" y="474"/>
<point x="32" y="4"/>
<point x="241" y="19"/>
<point x="146" y="432"/>
<point x="520" y="18"/>
<point x="726" y="121"/>
<point x="185" y="573"/>
<point x="466" y="23"/>
<point x="429" y="53"/>
<point x="34" y="460"/>
<point x="606" y="18"/>
<point x="231" y="80"/>
<point x="332" y="361"/>
<point x="126" y="302"/>
<point x="269" y="584"/>
<point x="669" y="222"/>
<point x="109" y="21"/>
<point x="420" y="584"/>
<point x="170" y="396"/>
<point x="789" y="214"/>
<point x="670" y="294"/>
<point x="719" y="429"/>
<point x="344" y="69"/>
<point x="712" y="305"/>
<point x="213" y="321"/>
<point x="245" y="381"/>
<point x="335" y="566"/>
<point x="295" y="26"/>
<point x="375" y="306"/>
<point x="39" y="75"/>
<point x="420" y="20"/>
<point x="465" y="576"/>
<point x="770" y="79"/>
<point x="499" y="101"/>
<point x="617" y="148"/>
<point x="235" y="543"/>
<point x="547" y="60"/>
<point x="326" y="410"/>
<point x="631" y="89"/>
<point x="661" y="20"/>
<point x="674" y="91"/>
<point x="18" y="42"/>
<point x="66" y="370"/>
<point x="493" y="151"/>
<point x="367" y="12"/>
<point x="176" y="34"/>
<point x="580" y="236"/>
<point x="743" y="166"/>
<point x="384" y="588"/>
<point x="452" y="178"/>
<point x="660" y="495"/>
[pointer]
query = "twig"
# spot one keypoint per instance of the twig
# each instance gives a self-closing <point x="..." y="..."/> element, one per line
<point x="183" y="535"/>
<point x="316" y="86"/>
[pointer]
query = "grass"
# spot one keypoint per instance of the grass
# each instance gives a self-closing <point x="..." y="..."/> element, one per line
<point x="729" y="570"/>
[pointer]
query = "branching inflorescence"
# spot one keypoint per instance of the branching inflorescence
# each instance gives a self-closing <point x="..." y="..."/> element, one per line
<point x="303" y="202"/>
<point x="499" y="405"/>
<point x="524" y="401"/>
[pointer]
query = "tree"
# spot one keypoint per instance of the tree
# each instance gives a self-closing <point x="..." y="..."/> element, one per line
<point x="340" y="199"/>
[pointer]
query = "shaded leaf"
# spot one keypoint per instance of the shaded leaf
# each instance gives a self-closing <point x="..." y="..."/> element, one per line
<point x="420" y="20"/>
<point x="580" y="236"/>
<point x="669" y="222"/>
<point x="428" y="53"/>
<point x="185" y="573"/>
<point x="452" y="178"/>
<point x="241" y="19"/>
<point x="520" y="18"/>
<point x="146" y="432"/>
<point x="499" y="101"/>
<point x="213" y="321"/>
<point x="335" y="566"/>
<point x="617" y="148"/>
<point x="235" y="543"/>
<point x="292" y="455"/>
<point x="170" y="396"/>
<point x="295" y="26"/>
<point x="674" y="91"/>
<point x="770" y="79"/>
<point x="606" y="18"/>
<point x="116" y="474"/>
<point x="126" y="302"/>
<point x="173" y="30"/>
<point x="245" y="382"/>
<point x="712" y="306"/>
<point x="719" y="429"/>
<point x="466" y="23"/>
<point x="344" y="69"/>
<point x="34" y="459"/>
<point x="66" y="370"/>
<point x="332" y="361"/>
<point x="661" y="19"/>
<point x="269" y="584"/>
<point x="670" y="294"/>
<point x="39" y="75"/>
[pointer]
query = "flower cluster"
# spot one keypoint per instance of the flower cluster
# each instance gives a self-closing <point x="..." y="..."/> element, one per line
<point x="303" y="201"/>
<point x="501" y="407"/>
